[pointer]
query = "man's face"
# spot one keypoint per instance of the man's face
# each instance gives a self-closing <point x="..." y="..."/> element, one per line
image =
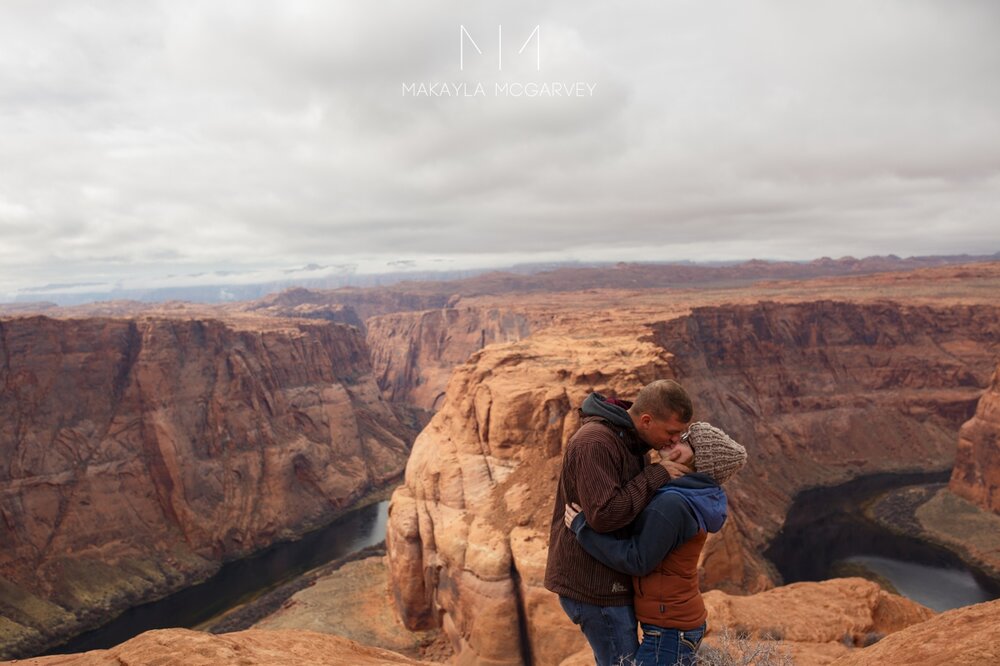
<point x="660" y="433"/>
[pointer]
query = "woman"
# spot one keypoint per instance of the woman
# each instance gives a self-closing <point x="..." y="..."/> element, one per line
<point x="667" y="538"/>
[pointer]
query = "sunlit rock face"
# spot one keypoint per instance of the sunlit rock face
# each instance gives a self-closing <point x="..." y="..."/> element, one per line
<point x="137" y="455"/>
<point x="815" y="622"/>
<point x="819" y="392"/>
<point x="976" y="476"/>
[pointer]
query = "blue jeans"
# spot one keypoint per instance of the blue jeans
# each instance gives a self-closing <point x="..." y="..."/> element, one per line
<point x="610" y="630"/>
<point x="666" y="647"/>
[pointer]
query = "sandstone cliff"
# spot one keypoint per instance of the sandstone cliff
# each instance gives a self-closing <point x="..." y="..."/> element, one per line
<point x="365" y="302"/>
<point x="414" y="353"/>
<point x="137" y="455"/>
<point x="822" y="393"/>
<point x="819" y="392"/>
<point x="976" y="476"/>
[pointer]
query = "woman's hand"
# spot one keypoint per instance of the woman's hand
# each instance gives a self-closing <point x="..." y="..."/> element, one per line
<point x="571" y="512"/>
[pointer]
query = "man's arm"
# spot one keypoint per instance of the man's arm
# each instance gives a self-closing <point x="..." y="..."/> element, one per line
<point x="665" y="526"/>
<point x="607" y="504"/>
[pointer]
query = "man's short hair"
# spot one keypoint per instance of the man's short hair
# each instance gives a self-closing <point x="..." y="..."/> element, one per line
<point x="662" y="399"/>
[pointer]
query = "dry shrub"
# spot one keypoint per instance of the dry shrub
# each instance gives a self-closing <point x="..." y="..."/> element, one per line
<point x="736" y="648"/>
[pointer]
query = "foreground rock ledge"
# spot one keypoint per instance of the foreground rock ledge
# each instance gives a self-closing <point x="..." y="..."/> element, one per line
<point x="969" y="635"/>
<point x="183" y="647"/>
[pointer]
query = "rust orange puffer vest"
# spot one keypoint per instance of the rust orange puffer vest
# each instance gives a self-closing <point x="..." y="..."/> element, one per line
<point x="669" y="596"/>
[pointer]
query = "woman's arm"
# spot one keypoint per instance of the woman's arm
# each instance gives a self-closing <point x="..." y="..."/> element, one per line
<point x="663" y="525"/>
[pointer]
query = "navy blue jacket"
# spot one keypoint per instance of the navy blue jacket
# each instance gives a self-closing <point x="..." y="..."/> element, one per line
<point x="677" y="512"/>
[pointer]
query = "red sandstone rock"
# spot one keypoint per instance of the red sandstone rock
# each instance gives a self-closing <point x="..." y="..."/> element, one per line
<point x="967" y="636"/>
<point x="976" y="476"/>
<point x="414" y="353"/>
<point x="256" y="647"/>
<point x="815" y="621"/>
<point x="819" y="392"/>
<point x="136" y="456"/>
<point x="823" y="392"/>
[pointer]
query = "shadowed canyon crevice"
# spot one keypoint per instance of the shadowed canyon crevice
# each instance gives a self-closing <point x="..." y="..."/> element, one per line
<point x="139" y="455"/>
<point x="820" y="392"/>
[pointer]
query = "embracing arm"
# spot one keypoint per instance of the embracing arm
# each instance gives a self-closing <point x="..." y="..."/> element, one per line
<point x="608" y="504"/>
<point x="661" y="529"/>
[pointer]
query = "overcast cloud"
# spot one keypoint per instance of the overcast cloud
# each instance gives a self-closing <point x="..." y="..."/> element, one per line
<point x="145" y="139"/>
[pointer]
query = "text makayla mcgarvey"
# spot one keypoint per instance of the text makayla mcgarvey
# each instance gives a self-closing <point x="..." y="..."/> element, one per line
<point x="499" y="89"/>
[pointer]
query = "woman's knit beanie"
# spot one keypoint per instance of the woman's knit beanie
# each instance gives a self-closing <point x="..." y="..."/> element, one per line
<point x="715" y="452"/>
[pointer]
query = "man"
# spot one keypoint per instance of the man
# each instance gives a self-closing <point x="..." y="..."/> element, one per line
<point x="604" y="470"/>
<point x="665" y="547"/>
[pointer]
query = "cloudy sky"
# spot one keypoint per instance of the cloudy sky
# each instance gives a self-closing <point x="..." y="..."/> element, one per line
<point x="149" y="139"/>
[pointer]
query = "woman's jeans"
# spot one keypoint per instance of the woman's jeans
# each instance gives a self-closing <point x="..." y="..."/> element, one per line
<point x="666" y="647"/>
<point x="610" y="630"/>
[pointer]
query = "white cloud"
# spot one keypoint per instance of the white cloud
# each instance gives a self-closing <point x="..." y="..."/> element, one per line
<point x="143" y="139"/>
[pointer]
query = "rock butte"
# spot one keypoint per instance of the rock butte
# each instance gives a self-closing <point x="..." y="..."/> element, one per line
<point x="137" y="455"/>
<point x="820" y="393"/>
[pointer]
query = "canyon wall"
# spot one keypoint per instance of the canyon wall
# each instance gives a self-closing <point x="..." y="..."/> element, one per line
<point x="824" y="392"/>
<point x="976" y="475"/>
<point x="819" y="393"/>
<point x="365" y="302"/>
<point x="414" y="353"/>
<point x="137" y="455"/>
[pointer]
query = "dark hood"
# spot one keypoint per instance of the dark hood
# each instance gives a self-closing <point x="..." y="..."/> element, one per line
<point x="612" y="410"/>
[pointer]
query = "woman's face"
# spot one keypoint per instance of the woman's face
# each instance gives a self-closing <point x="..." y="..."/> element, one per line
<point x="681" y="453"/>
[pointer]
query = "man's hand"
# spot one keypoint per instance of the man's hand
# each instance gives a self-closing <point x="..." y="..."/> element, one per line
<point x="675" y="469"/>
<point x="668" y="457"/>
<point x="571" y="511"/>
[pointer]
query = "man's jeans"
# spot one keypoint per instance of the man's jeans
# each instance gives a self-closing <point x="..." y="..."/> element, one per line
<point x="610" y="630"/>
<point x="667" y="647"/>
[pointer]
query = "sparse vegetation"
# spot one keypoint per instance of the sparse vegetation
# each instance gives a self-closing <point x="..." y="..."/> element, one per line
<point x="735" y="647"/>
<point x="772" y="634"/>
<point x="740" y="632"/>
<point x="738" y="649"/>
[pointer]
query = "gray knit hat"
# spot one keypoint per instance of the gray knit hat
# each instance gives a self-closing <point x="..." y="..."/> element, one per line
<point x="715" y="452"/>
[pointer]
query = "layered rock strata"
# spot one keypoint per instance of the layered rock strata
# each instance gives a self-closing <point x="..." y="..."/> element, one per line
<point x="976" y="476"/>
<point x="819" y="392"/>
<point x="414" y="353"/>
<point x="137" y="455"/>
<point x="822" y="393"/>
